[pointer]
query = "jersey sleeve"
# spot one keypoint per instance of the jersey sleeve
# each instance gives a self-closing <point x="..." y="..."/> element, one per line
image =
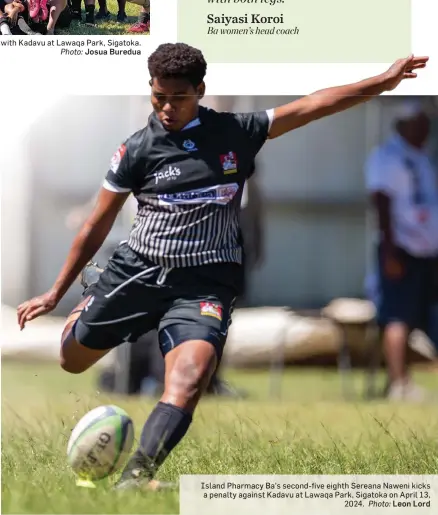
<point x="256" y="126"/>
<point x="120" y="176"/>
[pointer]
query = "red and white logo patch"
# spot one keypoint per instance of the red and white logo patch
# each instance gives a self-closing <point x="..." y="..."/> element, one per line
<point x="117" y="157"/>
<point x="229" y="163"/>
<point x="209" y="309"/>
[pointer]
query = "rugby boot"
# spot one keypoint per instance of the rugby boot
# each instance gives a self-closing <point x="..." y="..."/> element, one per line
<point x="138" y="474"/>
<point x="103" y="15"/>
<point x="89" y="276"/>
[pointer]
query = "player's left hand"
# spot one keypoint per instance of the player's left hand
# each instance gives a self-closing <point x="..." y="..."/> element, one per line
<point x="404" y="69"/>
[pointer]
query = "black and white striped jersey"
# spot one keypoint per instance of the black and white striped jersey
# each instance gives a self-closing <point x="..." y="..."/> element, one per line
<point x="189" y="185"/>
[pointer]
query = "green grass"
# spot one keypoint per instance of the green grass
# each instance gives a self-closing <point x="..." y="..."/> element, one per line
<point x="109" y="27"/>
<point x="311" y="431"/>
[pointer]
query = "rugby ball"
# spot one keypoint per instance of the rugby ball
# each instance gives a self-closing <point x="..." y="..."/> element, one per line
<point x="100" y="443"/>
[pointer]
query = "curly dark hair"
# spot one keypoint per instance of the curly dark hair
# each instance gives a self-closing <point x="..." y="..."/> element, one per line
<point x="178" y="61"/>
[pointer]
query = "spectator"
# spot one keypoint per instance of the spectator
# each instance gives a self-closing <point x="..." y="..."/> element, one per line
<point x="12" y="18"/>
<point x="403" y="187"/>
<point x="56" y="9"/>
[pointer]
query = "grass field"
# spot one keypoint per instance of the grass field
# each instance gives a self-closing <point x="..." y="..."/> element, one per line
<point x="311" y="431"/>
<point x="109" y="27"/>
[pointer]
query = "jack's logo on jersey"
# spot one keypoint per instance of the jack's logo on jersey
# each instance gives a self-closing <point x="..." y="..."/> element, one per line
<point x="170" y="173"/>
<point x="229" y="163"/>
<point x="189" y="145"/>
<point x="220" y="194"/>
<point x="117" y="158"/>
<point x="209" y="309"/>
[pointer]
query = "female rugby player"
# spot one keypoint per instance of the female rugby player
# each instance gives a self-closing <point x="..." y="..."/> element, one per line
<point x="181" y="269"/>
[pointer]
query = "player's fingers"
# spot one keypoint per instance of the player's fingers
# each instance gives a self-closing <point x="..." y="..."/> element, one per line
<point x="22" y="307"/>
<point x="407" y="60"/>
<point x="35" y="312"/>
<point x="420" y="59"/>
<point x="410" y="75"/>
<point x="22" y="318"/>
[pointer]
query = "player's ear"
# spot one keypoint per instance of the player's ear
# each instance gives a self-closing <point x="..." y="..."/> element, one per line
<point x="200" y="90"/>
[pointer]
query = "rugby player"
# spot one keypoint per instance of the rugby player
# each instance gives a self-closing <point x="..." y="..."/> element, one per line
<point x="181" y="269"/>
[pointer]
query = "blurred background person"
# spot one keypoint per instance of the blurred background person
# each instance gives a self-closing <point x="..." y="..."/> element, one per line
<point x="14" y="18"/>
<point x="403" y="186"/>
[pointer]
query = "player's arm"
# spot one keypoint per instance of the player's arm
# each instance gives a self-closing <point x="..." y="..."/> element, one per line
<point x="382" y="178"/>
<point x="89" y="239"/>
<point x="13" y="10"/>
<point x="116" y="189"/>
<point x="334" y="100"/>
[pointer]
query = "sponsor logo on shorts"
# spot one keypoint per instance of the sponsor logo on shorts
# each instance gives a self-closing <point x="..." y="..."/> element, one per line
<point x="220" y="194"/>
<point x="117" y="158"/>
<point x="169" y="174"/>
<point x="229" y="163"/>
<point x="209" y="309"/>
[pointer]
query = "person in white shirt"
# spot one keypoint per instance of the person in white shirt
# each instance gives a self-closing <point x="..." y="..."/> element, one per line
<point x="404" y="190"/>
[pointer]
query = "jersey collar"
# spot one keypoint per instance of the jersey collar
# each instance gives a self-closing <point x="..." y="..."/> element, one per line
<point x="193" y="123"/>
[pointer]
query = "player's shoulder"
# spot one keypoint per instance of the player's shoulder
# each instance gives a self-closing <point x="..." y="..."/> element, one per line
<point x="213" y="117"/>
<point x="138" y="143"/>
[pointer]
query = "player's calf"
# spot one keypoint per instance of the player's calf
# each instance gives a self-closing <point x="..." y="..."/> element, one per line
<point x="189" y="367"/>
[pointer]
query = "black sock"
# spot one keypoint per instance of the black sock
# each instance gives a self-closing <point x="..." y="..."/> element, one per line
<point x="162" y="431"/>
<point x="76" y="6"/>
<point x="89" y="16"/>
<point x="144" y="17"/>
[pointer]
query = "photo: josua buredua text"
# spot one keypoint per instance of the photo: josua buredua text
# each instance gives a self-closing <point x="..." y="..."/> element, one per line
<point x="90" y="46"/>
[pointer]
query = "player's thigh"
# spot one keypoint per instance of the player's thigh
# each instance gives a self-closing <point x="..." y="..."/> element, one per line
<point x="197" y="318"/>
<point x="192" y="336"/>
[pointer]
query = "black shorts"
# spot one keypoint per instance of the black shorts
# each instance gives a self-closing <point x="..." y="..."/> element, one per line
<point x="411" y="298"/>
<point x="134" y="295"/>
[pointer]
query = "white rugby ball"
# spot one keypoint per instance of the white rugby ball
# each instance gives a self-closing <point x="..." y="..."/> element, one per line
<point x="100" y="443"/>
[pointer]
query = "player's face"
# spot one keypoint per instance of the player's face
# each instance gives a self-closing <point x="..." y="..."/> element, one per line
<point x="175" y="101"/>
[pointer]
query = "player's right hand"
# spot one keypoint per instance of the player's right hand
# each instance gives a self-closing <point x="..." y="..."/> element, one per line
<point x="393" y="266"/>
<point x="35" y="307"/>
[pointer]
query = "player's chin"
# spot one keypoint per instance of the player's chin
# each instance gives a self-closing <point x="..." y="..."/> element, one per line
<point x="172" y="124"/>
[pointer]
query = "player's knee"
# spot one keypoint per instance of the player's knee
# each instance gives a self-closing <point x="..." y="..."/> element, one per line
<point x="188" y="380"/>
<point x="71" y="367"/>
<point x="68" y="360"/>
